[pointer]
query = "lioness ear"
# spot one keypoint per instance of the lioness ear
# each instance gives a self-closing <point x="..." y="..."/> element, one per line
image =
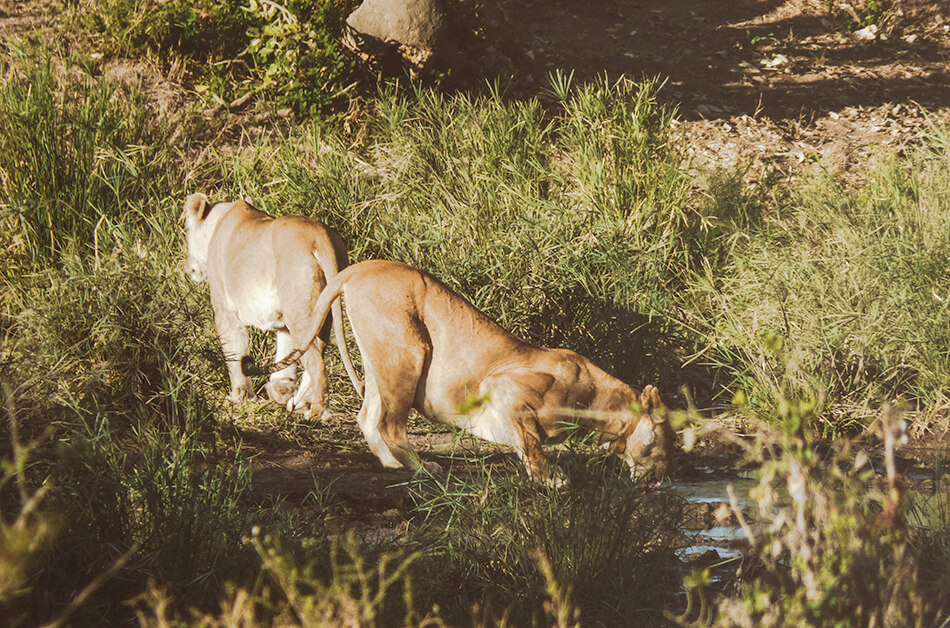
<point x="196" y="205"/>
<point x="652" y="405"/>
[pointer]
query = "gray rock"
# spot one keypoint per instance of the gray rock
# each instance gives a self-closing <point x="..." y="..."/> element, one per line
<point x="419" y="23"/>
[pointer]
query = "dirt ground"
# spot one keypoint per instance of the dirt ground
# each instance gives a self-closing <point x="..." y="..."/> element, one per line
<point x="768" y="87"/>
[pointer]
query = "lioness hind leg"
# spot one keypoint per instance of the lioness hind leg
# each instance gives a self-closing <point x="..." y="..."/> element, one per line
<point x="303" y="393"/>
<point x="280" y="387"/>
<point x="234" y="345"/>
<point x="280" y="390"/>
<point x="393" y="429"/>
<point x="315" y="404"/>
<point x="368" y="419"/>
<point x="382" y="419"/>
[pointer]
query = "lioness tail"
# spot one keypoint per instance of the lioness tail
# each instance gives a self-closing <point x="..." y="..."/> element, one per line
<point x="326" y="257"/>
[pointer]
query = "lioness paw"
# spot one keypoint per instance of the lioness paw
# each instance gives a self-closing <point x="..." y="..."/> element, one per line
<point x="431" y="468"/>
<point x="241" y="393"/>
<point x="316" y="415"/>
<point x="554" y="481"/>
<point x="650" y="399"/>
<point x="310" y="410"/>
<point x="280" y="390"/>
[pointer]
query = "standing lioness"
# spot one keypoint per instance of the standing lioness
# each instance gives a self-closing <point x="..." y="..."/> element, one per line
<point x="424" y="347"/>
<point x="267" y="273"/>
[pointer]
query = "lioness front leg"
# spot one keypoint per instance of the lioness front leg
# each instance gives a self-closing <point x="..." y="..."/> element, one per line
<point x="510" y="418"/>
<point x="532" y="454"/>
<point x="521" y="432"/>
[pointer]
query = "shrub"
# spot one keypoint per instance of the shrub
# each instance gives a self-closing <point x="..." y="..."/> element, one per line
<point x="155" y="501"/>
<point x="27" y="526"/>
<point x="99" y="342"/>
<point x="164" y="488"/>
<point x="830" y="545"/>
<point x="289" y="53"/>
<point x="854" y="14"/>
<point x="106" y="367"/>
<point x="209" y="30"/>
<point x="298" y="56"/>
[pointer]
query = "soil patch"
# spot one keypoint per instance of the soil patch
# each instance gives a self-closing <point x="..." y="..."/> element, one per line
<point x="761" y="86"/>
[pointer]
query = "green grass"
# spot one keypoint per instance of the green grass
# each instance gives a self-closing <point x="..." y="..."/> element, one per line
<point x="607" y="539"/>
<point x="79" y="157"/>
<point x="837" y="296"/>
<point x="571" y="221"/>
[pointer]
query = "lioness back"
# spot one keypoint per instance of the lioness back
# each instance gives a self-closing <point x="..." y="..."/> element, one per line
<point x="410" y="308"/>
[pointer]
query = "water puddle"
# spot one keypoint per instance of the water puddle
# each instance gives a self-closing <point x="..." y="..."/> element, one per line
<point x="711" y="532"/>
<point x="694" y="552"/>
<point x="724" y="534"/>
<point x="714" y="541"/>
<point x="714" y="491"/>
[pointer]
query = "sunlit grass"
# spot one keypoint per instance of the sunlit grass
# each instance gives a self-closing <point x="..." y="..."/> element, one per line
<point x="80" y="157"/>
<point x="839" y="295"/>
<point x="571" y="222"/>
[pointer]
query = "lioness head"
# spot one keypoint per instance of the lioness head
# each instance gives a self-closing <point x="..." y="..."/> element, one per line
<point x="648" y="444"/>
<point x="198" y="234"/>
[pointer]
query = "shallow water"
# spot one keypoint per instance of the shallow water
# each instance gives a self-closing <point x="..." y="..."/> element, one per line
<point x="725" y="540"/>
<point x="724" y="533"/>
<point x="926" y="511"/>
<point x="698" y="549"/>
<point x="714" y="491"/>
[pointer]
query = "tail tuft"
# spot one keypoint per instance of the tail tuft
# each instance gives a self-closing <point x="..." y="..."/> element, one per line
<point x="249" y="368"/>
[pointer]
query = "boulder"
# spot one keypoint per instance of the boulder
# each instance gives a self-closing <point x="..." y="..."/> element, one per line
<point x="394" y="36"/>
<point x="414" y="23"/>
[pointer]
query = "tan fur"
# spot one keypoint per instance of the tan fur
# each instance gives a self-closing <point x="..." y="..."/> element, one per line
<point x="424" y="347"/>
<point x="267" y="273"/>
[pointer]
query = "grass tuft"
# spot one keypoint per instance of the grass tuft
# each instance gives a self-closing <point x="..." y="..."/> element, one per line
<point x="838" y="296"/>
<point x="607" y="539"/>
<point x="78" y="155"/>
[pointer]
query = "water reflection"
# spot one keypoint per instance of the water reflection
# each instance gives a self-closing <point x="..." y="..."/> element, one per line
<point x="716" y="490"/>
<point x="711" y="535"/>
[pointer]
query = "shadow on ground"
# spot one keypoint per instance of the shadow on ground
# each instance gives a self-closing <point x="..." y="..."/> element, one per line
<point x="732" y="57"/>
